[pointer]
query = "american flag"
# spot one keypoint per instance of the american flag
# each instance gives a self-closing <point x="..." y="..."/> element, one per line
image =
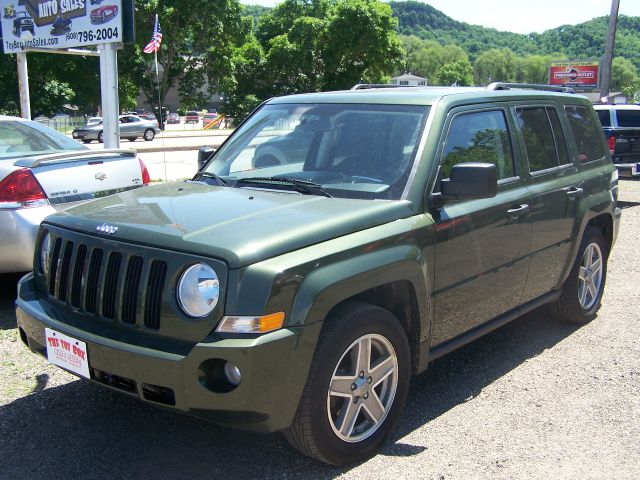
<point x="156" y="38"/>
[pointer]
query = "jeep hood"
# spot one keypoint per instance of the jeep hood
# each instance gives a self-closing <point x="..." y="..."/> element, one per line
<point x="238" y="225"/>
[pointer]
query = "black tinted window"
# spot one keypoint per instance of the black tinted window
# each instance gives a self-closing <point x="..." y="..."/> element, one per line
<point x="628" y="118"/>
<point x="604" y="117"/>
<point x="587" y="133"/>
<point x="543" y="137"/>
<point x="479" y="137"/>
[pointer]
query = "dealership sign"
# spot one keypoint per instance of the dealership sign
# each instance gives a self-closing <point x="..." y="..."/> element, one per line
<point x="574" y="74"/>
<point x="59" y="23"/>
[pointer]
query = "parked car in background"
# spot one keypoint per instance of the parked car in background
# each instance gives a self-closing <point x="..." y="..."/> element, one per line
<point x="43" y="171"/>
<point x="94" y="120"/>
<point x="192" y="117"/>
<point x="173" y="118"/>
<point x="209" y="118"/>
<point x="132" y="127"/>
<point x="621" y="125"/>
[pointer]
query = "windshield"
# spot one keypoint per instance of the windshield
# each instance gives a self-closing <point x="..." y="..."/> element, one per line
<point x="349" y="150"/>
<point x="20" y="139"/>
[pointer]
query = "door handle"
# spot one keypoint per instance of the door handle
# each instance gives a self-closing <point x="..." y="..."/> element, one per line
<point x="574" y="192"/>
<point x="518" y="210"/>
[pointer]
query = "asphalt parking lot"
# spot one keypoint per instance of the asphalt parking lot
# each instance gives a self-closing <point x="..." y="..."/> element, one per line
<point x="534" y="399"/>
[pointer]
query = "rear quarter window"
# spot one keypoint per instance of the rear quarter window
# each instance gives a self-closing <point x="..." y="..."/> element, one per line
<point x="604" y="117"/>
<point x="587" y="133"/>
<point x="628" y="118"/>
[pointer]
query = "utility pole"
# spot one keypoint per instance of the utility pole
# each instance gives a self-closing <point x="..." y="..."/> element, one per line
<point x="23" y="85"/>
<point x="109" y="93"/>
<point x="605" y="78"/>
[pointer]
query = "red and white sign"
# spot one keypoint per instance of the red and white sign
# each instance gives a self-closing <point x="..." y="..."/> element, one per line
<point x="67" y="352"/>
<point x="574" y="74"/>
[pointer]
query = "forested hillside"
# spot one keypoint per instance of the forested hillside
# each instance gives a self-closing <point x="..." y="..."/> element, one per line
<point x="585" y="40"/>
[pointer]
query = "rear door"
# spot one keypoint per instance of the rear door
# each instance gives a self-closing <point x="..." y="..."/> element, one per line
<point x="556" y="189"/>
<point x="482" y="246"/>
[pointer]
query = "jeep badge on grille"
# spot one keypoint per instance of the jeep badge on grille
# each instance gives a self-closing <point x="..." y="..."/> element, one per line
<point x="108" y="229"/>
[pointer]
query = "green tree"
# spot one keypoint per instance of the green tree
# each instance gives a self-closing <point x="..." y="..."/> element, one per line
<point x="52" y="98"/>
<point x="496" y="65"/>
<point x="533" y="69"/>
<point x="624" y="77"/>
<point x="361" y="44"/>
<point x="312" y="45"/>
<point x="459" y="72"/>
<point x="198" y="41"/>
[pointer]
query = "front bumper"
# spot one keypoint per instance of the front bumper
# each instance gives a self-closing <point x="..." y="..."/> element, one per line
<point x="18" y="230"/>
<point x="274" y="368"/>
<point x="84" y="135"/>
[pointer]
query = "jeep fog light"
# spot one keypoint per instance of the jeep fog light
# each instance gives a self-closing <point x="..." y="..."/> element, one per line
<point x="264" y="324"/>
<point x="232" y="374"/>
<point x="198" y="290"/>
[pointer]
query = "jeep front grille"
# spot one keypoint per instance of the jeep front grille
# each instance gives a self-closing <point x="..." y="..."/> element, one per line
<point x="109" y="284"/>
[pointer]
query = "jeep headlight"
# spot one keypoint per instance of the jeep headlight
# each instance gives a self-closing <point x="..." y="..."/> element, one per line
<point x="198" y="290"/>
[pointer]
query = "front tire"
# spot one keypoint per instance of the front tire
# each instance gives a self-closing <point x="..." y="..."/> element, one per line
<point x="357" y="386"/>
<point x="149" y="135"/>
<point x="100" y="137"/>
<point x="582" y="292"/>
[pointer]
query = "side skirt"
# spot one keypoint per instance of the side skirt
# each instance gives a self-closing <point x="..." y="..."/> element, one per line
<point x="428" y="354"/>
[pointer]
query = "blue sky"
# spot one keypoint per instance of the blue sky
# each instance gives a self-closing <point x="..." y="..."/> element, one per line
<point x="521" y="16"/>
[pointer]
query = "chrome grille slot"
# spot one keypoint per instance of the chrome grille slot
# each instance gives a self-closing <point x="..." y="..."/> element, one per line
<point x="91" y="298"/>
<point x="78" y="272"/>
<point x="111" y="285"/>
<point x="131" y="285"/>
<point x="53" y="272"/>
<point x="155" y="285"/>
<point x="64" y="271"/>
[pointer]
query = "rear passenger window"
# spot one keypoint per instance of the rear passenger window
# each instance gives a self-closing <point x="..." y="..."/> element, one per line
<point x="543" y="137"/>
<point x="587" y="133"/>
<point x="604" y="117"/>
<point x="628" y="118"/>
<point x="479" y="137"/>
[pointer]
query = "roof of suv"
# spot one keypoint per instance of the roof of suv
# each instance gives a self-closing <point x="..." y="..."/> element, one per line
<point x="621" y="106"/>
<point x="418" y="95"/>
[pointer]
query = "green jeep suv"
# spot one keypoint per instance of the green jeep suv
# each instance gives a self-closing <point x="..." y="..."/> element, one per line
<point x="331" y="248"/>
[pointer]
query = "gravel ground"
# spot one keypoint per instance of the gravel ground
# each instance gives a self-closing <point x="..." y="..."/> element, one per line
<point x="534" y="399"/>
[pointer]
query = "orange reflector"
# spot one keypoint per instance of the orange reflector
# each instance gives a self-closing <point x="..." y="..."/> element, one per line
<point x="271" y="322"/>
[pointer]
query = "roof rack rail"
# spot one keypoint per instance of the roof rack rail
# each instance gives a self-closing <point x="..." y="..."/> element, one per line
<point x="529" y="86"/>
<point x="366" y="86"/>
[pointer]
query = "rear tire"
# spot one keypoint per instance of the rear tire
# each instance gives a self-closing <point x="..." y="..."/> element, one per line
<point x="100" y="137"/>
<point x="582" y="292"/>
<point x="356" y="388"/>
<point x="86" y="141"/>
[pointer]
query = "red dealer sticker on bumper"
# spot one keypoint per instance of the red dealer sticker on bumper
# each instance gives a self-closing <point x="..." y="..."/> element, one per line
<point x="67" y="352"/>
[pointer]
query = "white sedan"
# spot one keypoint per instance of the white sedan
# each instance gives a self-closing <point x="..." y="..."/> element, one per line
<point x="42" y="171"/>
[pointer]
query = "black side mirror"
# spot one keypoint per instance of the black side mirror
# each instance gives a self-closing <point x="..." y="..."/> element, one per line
<point x="469" y="181"/>
<point x="204" y="154"/>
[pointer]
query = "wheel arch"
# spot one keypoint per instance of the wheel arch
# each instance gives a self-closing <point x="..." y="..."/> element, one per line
<point x="400" y="287"/>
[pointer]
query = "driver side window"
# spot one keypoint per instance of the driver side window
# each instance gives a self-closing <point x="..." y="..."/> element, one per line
<point x="479" y="137"/>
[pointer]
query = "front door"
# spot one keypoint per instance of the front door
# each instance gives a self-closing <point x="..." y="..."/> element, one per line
<point x="482" y="246"/>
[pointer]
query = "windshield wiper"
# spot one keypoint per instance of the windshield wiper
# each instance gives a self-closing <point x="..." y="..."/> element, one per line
<point x="216" y="178"/>
<point x="300" y="186"/>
